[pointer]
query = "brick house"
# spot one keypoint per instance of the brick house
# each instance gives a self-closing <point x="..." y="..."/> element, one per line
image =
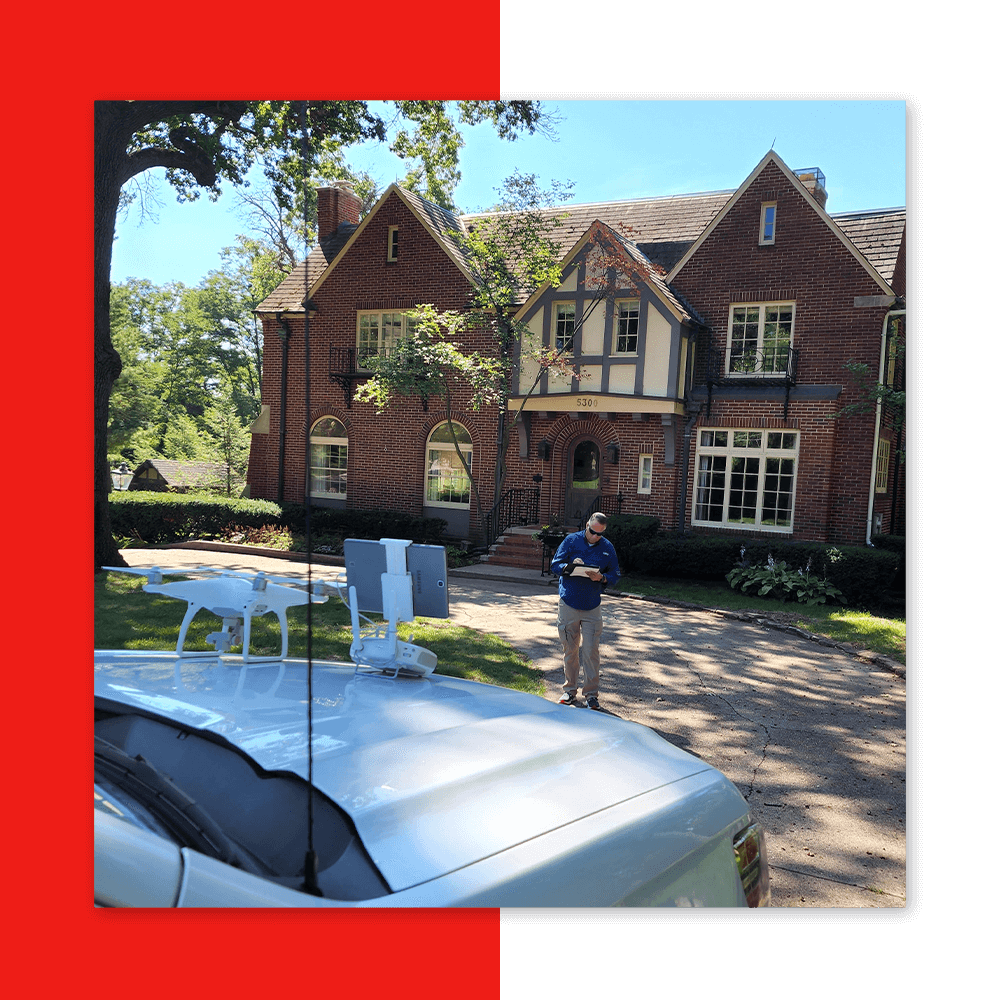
<point x="707" y="392"/>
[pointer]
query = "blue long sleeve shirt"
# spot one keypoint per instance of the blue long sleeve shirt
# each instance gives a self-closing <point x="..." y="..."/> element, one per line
<point x="580" y="592"/>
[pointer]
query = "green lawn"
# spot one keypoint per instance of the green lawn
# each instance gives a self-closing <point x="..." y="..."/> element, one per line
<point x="125" y="617"/>
<point x="881" y="633"/>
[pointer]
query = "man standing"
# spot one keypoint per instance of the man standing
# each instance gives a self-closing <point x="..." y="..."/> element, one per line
<point x="585" y="563"/>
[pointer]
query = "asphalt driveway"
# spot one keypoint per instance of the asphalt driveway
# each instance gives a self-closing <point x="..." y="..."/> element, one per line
<point x="812" y="735"/>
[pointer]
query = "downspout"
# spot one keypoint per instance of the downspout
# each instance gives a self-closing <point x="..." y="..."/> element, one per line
<point x="285" y="334"/>
<point x="878" y="421"/>
<point x="685" y="467"/>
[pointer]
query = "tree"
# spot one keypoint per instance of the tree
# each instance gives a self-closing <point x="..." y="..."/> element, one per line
<point x="890" y="393"/>
<point x="202" y="144"/>
<point x="511" y="251"/>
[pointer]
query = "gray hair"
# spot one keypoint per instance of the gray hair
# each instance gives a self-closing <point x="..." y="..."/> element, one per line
<point x="598" y="517"/>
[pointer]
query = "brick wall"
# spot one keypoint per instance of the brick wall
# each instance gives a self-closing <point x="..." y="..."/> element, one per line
<point x="810" y="265"/>
<point x="386" y="453"/>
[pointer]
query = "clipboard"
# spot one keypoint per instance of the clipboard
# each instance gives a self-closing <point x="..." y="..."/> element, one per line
<point x="580" y="570"/>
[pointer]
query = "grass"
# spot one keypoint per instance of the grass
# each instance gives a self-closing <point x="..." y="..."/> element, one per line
<point x="883" y="632"/>
<point x="125" y="617"/>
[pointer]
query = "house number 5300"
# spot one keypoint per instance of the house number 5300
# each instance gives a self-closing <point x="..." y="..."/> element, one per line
<point x="582" y="401"/>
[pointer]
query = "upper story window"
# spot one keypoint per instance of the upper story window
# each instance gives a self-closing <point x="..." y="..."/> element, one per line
<point x="392" y="253"/>
<point x="378" y="333"/>
<point x="627" y="326"/>
<point x="768" y="213"/>
<point x="328" y="458"/>
<point x="760" y="338"/>
<point x="564" y="316"/>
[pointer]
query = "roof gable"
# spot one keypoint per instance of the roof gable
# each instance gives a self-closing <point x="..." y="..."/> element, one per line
<point x="772" y="158"/>
<point x="443" y="226"/>
<point x="646" y="271"/>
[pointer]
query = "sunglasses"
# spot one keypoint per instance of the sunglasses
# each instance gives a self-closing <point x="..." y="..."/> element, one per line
<point x="590" y="531"/>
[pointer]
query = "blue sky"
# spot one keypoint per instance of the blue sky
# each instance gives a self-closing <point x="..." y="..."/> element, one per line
<point x="610" y="149"/>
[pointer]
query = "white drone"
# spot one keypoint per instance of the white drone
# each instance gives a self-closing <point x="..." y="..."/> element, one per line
<point x="237" y="598"/>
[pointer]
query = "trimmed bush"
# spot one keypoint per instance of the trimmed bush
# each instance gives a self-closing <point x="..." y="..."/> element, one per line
<point x="626" y="531"/>
<point x="351" y="523"/>
<point x="162" y="518"/>
<point x="158" y="518"/>
<point x="862" y="574"/>
<point x="897" y="544"/>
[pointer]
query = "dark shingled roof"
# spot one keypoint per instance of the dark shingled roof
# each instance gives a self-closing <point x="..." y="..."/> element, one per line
<point x="660" y="229"/>
<point x="877" y="235"/>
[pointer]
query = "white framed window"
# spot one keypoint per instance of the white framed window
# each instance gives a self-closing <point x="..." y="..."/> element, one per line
<point x="746" y="479"/>
<point x="760" y="339"/>
<point x="564" y="325"/>
<point x="627" y="326"/>
<point x="645" y="474"/>
<point x="392" y="252"/>
<point x="768" y="217"/>
<point x="882" y="466"/>
<point x="378" y="333"/>
<point x="328" y="458"/>
<point x="446" y="483"/>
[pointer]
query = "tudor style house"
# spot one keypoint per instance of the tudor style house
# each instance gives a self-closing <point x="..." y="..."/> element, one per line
<point x="711" y="384"/>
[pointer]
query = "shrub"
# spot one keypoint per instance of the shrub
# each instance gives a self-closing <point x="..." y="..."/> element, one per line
<point x="897" y="544"/>
<point x="352" y="523"/>
<point x="626" y="531"/>
<point x="863" y="575"/>
<point x="158" y="518"/>
<point x="775" y="579"/>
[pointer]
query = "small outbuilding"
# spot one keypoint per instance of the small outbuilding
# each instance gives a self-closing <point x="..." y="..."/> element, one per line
<point x="166" y="475"/>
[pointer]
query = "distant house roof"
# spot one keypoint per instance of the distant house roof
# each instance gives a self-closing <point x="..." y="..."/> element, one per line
<point x="163" y="473"/>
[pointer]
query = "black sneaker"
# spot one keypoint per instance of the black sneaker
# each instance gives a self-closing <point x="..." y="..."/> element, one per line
<point x="567" y="699"/>
<point x="592" y="702"/>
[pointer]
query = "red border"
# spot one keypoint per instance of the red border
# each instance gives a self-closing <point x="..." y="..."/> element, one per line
<point x="449" y="50"/>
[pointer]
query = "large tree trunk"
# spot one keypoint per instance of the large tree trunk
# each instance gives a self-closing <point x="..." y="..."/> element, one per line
<point x="109" y="157"/>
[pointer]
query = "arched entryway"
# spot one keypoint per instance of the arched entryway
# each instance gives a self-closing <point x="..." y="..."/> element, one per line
<point x="583" y="476"/>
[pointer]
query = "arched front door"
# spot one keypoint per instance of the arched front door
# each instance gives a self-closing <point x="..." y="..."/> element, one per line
<point x="583" y="477"/>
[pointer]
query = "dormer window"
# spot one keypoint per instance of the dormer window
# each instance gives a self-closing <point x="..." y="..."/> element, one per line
<point x="768" y="212"/>
<point x="393" y="251"/>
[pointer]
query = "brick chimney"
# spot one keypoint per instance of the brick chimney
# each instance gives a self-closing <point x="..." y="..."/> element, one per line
<point x="815" y="183"/>
<point x="335" y="205"/>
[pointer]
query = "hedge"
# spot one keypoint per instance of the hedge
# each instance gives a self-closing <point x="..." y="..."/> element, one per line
<point x="158" y="518"/>
<point x="863" y="574"/>
<point x="161" y="518"/>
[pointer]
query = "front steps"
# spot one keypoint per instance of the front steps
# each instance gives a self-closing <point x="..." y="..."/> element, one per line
<point x="517" y="549"/>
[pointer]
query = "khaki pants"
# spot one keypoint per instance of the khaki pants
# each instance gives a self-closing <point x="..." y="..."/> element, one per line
<point x="580" y="632"/>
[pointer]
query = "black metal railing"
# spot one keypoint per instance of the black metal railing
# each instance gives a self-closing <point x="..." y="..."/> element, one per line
<point x="770" y="366"/>
<point x="607" y="503"/>
<point x="773" y="362"/>
<point x="518" y="506"/>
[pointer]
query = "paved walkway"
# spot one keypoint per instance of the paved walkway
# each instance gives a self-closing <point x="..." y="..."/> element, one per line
<point x="813" y="735"/>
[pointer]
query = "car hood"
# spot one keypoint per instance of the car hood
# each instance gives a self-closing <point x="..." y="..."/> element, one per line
<point x="436" y="773"/>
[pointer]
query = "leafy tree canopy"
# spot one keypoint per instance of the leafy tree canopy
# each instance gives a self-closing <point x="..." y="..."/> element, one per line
<point x="202" y="144"/>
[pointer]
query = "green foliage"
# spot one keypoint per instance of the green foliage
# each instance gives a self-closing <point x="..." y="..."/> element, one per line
<point x="862" y="574"/>
<point x="358" y="523"/>
<point x="775" y="579"/>
<point x="159" y="518"/>
<point x="191" y="372"/>
<point x="626" y="531"/>
<point x="890" y="395"/>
